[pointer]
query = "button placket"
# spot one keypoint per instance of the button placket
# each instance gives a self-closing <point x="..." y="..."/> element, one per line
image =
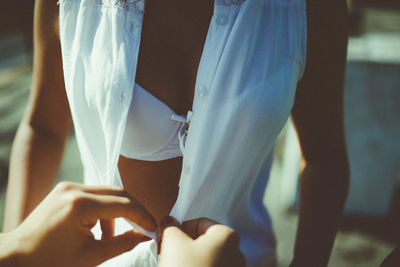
<point x="221" y="11"/>
<point x="202" y="91"/>
<point x="222" y="19"/>
<point x="122" y="96"/>
<point x="186" y="169"/>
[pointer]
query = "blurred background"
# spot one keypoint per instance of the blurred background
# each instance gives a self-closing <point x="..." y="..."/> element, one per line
<point x="371" y="225"/>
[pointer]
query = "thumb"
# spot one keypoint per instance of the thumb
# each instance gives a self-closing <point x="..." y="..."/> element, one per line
<point x="106" y="249"/>
<point x="174" y="246"/>
<point x="174" y="237"/>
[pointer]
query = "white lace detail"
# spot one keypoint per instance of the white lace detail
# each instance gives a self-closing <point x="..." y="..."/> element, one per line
<point x="126" y="4"/>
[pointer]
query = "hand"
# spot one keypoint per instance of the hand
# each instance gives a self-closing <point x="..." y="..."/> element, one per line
<point x="200" y="243"/>
<point x="57" y="232"/>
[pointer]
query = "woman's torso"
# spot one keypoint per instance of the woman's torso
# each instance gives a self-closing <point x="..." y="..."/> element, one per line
<point x="172" y="40"/>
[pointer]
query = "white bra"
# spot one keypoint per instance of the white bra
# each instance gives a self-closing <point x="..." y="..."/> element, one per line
<point x="153" y="130"/>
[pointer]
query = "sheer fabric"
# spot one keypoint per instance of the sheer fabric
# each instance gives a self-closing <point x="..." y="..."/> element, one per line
<point x="253" y="57"/>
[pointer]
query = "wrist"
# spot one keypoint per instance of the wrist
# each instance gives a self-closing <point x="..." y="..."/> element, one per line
<point x="10" y="253"/>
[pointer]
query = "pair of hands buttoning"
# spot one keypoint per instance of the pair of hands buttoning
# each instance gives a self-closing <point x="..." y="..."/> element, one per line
<point x="57" y="232"/>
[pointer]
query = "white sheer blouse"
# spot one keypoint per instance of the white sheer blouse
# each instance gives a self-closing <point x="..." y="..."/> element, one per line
<point x="253" y="56"/>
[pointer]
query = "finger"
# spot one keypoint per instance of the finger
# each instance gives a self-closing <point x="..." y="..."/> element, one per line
<point x="107" y="228"/>
<point x="104" y="190"/>
<point x="197" y="227"/>
<point x="110" y="207"/>
<point x="98" y="190"/>
<point x="167" y="221"/>
<point x="172" y="236"/>
<point x="102" y="250"/>
<point x="103" y="194"/>
<point x="225" y="240"/>
<point x="220" y="235"/>
<point x="174" y="240"/>
<point x="107" y="190"/>
<point x="67" y="185"/>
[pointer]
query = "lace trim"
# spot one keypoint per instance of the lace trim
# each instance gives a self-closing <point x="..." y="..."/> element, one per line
<point x="139" y="4"/>
<point x="126" y="4"/>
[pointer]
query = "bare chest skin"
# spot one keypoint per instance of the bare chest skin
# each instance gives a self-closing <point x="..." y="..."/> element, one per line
<point x="173" y="36"/>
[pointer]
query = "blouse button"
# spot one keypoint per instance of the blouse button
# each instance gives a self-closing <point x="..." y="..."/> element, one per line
<point x="122" y="97"/>
<point x="202" y="91"/>
<point x="186" y="169"/>
<point x="222" y="19"/>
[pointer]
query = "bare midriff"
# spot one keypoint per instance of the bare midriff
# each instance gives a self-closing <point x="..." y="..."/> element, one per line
<point x="173" y="36"/>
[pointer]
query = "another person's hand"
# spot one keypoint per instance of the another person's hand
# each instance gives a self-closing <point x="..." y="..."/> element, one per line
<point x="200" y="243"/>
<point x="57" y="232"/>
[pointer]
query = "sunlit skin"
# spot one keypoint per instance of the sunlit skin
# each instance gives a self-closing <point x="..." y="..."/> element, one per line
<point x="167" y="68"/>
<point x="70" y="210"/>
<point x="172" y="41"/>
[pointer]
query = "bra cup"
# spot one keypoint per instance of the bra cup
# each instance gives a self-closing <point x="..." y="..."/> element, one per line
<point x="149" y="128"/>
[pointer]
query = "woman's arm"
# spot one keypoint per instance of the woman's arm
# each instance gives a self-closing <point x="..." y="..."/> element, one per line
<point x="318" y="117"/>
<point x="39" y="144"/>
